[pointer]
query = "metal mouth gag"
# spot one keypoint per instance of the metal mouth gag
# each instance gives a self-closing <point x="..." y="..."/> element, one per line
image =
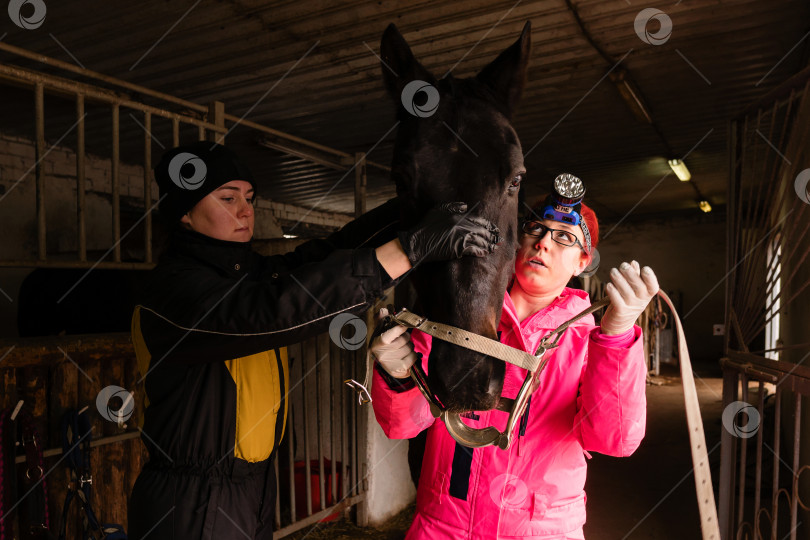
<point x="532" y="363"/>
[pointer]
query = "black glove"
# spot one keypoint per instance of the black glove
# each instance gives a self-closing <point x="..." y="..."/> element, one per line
<point x="446" y="233"/>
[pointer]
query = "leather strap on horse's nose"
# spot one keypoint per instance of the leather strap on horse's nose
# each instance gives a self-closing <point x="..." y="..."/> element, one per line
<point x="468" y="340"/>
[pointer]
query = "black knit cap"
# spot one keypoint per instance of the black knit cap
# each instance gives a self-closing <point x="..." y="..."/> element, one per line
<point x="186" y="174"/>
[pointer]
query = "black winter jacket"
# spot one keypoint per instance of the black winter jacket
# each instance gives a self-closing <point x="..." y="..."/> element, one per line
<point x="209" y="332"/>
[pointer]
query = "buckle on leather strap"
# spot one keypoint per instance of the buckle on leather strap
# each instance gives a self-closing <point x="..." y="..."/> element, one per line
<point x="363" y="395"/>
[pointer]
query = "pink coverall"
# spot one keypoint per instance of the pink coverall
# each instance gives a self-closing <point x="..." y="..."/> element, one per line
<point x="591" y="397"/>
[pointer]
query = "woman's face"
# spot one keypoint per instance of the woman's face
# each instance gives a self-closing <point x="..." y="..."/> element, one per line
<point x="543" y="266"/>
<point x="225" y="214"/>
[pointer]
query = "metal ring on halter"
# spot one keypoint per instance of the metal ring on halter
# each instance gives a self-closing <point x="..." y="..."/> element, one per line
<point x="38" y="468"/>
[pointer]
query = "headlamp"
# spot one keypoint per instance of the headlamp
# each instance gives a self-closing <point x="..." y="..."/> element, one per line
<point x="565" y="204"/>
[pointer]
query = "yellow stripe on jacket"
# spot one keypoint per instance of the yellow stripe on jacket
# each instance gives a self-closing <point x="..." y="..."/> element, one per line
<point x="259" y="392"/>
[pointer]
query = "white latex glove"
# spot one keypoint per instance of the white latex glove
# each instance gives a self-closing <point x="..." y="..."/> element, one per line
<point x="393" y="349"/>
<point x="630" y="290"/>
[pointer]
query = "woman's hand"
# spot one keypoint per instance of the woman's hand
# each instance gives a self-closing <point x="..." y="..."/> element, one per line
<point x="630" y="290"/>
<point x="393" y="349"/>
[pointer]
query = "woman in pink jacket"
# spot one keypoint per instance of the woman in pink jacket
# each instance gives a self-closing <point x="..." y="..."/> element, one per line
<point x="591" y="395"/>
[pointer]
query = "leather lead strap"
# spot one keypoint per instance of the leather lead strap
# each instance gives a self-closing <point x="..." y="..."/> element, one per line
<point x="697" y="439"/>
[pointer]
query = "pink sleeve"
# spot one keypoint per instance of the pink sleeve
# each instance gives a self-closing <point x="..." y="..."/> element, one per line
<point x="612" y="403"/>
<point x="620" y="341"/>
<point x="402" y="415"/>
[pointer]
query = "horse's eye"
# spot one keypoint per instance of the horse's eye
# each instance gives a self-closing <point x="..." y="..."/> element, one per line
<point x="516" y="181"/>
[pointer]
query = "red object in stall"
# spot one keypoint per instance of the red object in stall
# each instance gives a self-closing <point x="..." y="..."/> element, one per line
<point x="314" y="482"/>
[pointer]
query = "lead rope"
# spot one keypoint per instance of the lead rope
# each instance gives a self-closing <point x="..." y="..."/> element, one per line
<point x="709" y="525"/>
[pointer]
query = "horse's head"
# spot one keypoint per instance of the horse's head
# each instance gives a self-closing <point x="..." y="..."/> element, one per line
<point x="455" y="143"/>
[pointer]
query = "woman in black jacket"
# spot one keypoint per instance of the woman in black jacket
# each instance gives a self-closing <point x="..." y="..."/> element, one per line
<point x="210" y="328"/>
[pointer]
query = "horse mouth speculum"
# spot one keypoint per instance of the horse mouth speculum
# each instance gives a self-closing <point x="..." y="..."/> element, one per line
<point x="460" y="431"/>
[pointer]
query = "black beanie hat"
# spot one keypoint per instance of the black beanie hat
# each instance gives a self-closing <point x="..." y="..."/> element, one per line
<point x="186" y="174"/>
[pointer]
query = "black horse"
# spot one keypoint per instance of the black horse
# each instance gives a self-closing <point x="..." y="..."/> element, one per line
<point x="460" y="148"/>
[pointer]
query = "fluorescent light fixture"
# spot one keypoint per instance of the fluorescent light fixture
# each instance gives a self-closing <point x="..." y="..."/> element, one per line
<point x="290" y="236"/>
<point x="632" y="96"/>
<point x="680" y="170"/>
<point x="705" y="206"/>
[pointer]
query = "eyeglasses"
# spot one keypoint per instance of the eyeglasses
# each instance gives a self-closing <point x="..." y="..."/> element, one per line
<point x="562" y="237"/>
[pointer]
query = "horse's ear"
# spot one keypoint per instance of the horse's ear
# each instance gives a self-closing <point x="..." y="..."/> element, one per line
<point x="506" y="75"/>
<point x="399" y="66"/>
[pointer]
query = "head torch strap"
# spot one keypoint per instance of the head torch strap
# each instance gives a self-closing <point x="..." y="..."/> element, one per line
<point x="586" y="234"/>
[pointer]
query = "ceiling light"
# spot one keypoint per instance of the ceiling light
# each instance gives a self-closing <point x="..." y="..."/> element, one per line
<point x="680" y="170"/>
<point x="289" y="236"/>
<point x="631" y="95"/>
<point x="705" y="206"/>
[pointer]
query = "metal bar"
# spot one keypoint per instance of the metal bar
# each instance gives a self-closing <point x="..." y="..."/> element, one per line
<point x="291" y="451"/>
<point x="142" y="90"/>
<point x="344" y="428"/>
<point x="743" y="455"/>
<point x="794" y="503"/>
<point x="353" y="454"/>
<point x="314" y="518"/>
<point x="101" y="441"/>
<point x="98" y="76"/>
<point x="728" y="453"/>
<point x="738" y="360"/>
<point x="216" y="115"/>
<point x="81" y="229"/>
<point x="335" y="385"/>
<point x="147" y="188"/>
<point x="348" y="158"/>
<point x="69" y="89"/>
<point x="780" y="92"/>
<point x="175" y="132"/>
<point x="730" y="231"/>
<point x="305" y="354"/>
<point x="39" y="106"/>
<point x="758" y="472"/>
<point x="362" y="414"/>
<point x="776" y="442"/>
<point x="116" y="186"/>
<point x="319" y="418"/>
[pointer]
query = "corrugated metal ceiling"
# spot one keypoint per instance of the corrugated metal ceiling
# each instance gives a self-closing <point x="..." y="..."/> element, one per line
<point x="309" y="68"/>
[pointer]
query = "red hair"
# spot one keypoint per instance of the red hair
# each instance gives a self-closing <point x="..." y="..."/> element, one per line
<point x="592" y="223"/>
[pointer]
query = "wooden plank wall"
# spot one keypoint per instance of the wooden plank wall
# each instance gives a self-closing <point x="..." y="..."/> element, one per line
<point x="54" y="374"/>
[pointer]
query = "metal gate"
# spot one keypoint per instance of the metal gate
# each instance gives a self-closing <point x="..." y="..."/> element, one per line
<point x="321" y="464"/>
<point x="765" y="383"/>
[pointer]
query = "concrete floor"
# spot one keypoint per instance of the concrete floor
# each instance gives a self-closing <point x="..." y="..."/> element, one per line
<point x="650" y="494"/>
